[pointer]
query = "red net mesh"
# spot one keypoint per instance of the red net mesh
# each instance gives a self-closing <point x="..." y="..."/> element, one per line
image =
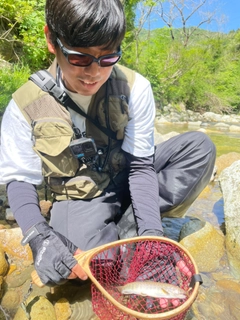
<point x="138" y="261"/>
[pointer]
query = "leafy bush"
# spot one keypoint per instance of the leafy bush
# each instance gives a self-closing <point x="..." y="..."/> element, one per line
<point x="11" y="78"/>
<point x="21" y="32"/>
<point x="204" y="75"/>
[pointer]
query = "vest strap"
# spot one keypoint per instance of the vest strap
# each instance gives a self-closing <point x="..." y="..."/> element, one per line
<point x="47" y="83"/>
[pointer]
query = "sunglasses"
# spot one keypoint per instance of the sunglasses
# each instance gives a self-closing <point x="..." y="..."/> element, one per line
<point x="84" y="60"/>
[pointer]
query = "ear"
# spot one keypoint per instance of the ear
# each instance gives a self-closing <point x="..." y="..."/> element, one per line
<point x="51" y="47"/>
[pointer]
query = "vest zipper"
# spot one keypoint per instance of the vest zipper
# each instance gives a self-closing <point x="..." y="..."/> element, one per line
<point x="106" y="102"/>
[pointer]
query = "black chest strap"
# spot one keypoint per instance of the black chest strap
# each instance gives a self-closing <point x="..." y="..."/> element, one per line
<point x="44" y="80"/>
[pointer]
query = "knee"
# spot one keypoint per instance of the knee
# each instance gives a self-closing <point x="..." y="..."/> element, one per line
<point x="206" y="155"/>
<point x="208" y="145"/>
<point x="203" y="143"/>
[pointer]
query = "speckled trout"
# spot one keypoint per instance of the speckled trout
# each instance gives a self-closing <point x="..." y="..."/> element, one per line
<point x="153" y="289"/>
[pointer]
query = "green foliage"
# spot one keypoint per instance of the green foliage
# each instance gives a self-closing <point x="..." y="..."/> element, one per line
<point x="129" y="7"/>
<point x="22" y="36"/>
<point x="11" y="78"/>
<point x="203" y="75"/>
<point x="31" y="32"/>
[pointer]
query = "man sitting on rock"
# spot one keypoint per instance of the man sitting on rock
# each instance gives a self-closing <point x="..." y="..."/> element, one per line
<point x="96" y="153"/>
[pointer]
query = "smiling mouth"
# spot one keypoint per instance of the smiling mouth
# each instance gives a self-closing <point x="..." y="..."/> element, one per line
<point x="89" y="82"/>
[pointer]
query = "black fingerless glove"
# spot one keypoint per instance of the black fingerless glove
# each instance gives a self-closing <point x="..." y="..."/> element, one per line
<point x="52" y="253"/>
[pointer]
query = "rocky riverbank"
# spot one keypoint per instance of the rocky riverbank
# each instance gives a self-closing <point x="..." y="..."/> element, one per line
<point x="226" y="123"/>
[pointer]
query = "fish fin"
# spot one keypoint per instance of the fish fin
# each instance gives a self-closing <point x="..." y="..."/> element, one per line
<point x="165" y="291"/>
<point x="143" y="294"/>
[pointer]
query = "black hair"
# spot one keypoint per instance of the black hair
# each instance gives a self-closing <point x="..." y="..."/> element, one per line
<point x="86" y="23"/>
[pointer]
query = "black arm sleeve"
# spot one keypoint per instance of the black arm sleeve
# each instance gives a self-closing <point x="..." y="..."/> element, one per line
<point x="143" y="185"/>
<point x="23" y="201"/>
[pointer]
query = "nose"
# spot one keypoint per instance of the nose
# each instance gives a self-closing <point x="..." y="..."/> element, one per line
<point x="93" y="70"/>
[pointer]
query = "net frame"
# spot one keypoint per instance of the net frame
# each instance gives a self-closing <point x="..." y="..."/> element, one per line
<point x="103" y="300"/>
<point x="102" y="296"/>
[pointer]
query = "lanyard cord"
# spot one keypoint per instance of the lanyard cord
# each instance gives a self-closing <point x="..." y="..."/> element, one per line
<point x="106" y="109"/>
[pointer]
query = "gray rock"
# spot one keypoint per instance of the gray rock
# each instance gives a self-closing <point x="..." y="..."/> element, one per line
<point x="230" y="184"/>
<point x="9" y="215"/>
<point x="193" y="225"/>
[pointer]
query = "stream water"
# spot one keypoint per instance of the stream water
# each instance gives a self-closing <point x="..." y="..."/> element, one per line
<point x="225" y="141"/>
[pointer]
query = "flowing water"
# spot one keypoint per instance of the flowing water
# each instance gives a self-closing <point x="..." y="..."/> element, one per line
<point x="225" y="141"/>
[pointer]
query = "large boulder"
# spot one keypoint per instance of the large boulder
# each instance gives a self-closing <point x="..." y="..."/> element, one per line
<point x="37" y="308"/>
<point x="206" y="246"/>
<point x="10" y="243"/>
<point x="230" y="185"/>
<point x="226" y="160"/>
<point x="3" y="263"/>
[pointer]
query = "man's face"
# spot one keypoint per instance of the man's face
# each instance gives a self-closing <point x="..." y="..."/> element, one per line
<point x="83" y="80"/>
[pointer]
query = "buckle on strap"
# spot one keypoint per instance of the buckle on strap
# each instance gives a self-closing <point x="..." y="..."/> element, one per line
<point x="45" y="81"/>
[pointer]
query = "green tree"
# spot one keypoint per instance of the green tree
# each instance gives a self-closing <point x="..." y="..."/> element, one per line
<point x="11" y="78"/>
<point x="21" y="32"/>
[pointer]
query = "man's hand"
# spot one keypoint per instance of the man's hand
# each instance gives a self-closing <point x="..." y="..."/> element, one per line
<point x="77" y="271"/>
<point x="53" y="255"/>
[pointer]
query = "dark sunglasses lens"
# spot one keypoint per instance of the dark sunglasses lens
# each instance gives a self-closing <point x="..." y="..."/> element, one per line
<point x="79" y="60"/>
<point x="109" y="61"/>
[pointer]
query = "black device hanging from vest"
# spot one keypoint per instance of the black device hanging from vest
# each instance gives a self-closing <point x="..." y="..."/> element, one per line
<point x="44" y="80"/>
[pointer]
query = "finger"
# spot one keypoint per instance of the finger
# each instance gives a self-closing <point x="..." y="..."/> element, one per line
<point x="78" y="272"/>
<point x="72" y="276"/>
<point x="183" y="268"/>
<point x="163" y="302"/>
<point x="78" y="251"/>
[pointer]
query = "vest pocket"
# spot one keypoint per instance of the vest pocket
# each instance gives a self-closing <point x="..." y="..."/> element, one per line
<point x="51" y="142"/>
<point x="87" y="184"/>
<point x="117" y="114"/>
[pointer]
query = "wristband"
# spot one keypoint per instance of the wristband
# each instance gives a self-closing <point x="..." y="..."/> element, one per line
<point x="29" y="235"/>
